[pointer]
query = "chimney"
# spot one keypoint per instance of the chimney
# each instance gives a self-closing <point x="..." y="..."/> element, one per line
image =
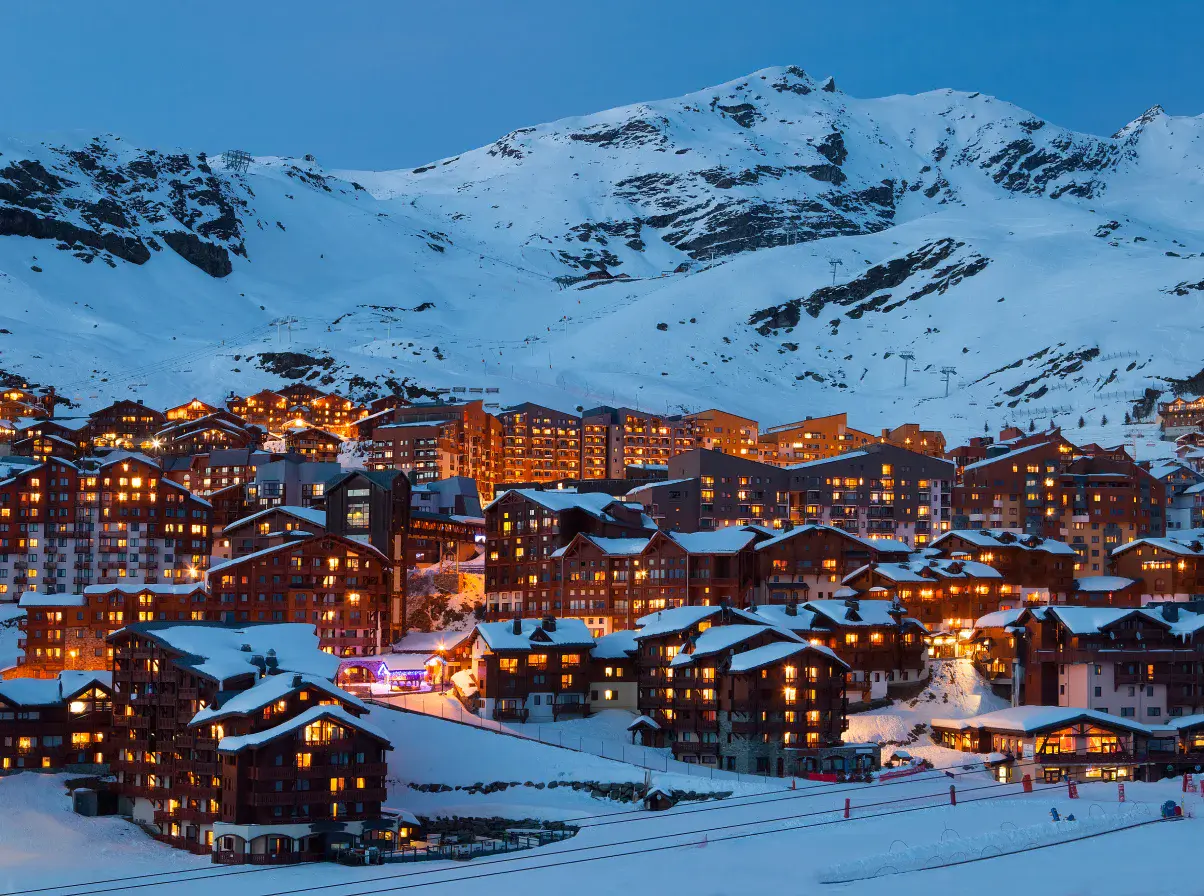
<point x="1170" y="612"/>
<point x="548" y="624"/>
<point x="296" y="681"/>
<point x="791" y="605"/>
<point x="517" y="628"/>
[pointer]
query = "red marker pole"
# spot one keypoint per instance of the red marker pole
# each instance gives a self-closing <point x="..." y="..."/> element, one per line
<point x="847" y="806"/>
<point x="1028" y="783"/>
<point x="952" y="795"/>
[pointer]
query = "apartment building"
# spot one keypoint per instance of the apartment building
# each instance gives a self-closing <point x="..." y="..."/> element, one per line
<point x="539" y="444"/>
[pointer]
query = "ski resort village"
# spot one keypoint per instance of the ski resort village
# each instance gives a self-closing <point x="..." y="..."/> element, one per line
<point x="766" y="490"/>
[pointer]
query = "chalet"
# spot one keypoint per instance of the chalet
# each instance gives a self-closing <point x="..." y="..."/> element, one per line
<point x="1036" y="568"/>
<point x="1166" y="568"/>
<point x="234" y="742"/>
<point x="314" y="444"/>
<point x="329" y="581"/>
<point x="125" y="424"/>
<point x="68" y="631"/>
<point x="190" y="410"/>
<point x="531" y="669"/>
<point x="42" y="439"/>
<point x="266" y="529"/>
<point x="211" y="432"/>
<point x="56" y="724"/>
<point x="1053" y="743"/>
<point x="1180" y="416"/>
<point x="810" y="561"/>
<point x="524" y="528"/>
<point x="945" y="595"/>
<point x="884" y="647"/>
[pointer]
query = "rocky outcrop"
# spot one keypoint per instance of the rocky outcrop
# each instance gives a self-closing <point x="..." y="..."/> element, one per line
<point x="212" y="259"/>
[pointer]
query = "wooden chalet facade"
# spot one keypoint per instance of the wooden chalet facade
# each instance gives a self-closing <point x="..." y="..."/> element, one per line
<point x="1165" y="568"/>
<point x="314" y="444"/>
<point x="125" y="424"/>
<point x="529" y="670"/>
<point x="810" y="562"/>
<point x="1054" y="743"/>
<point x="235" y="743"/>
<point x="339" y="585"/>
<point x="57" y="724"/>
<point x="1038" y="569"/>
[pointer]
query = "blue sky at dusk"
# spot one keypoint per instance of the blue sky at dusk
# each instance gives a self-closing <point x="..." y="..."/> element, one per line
<point x="395" y="84"/>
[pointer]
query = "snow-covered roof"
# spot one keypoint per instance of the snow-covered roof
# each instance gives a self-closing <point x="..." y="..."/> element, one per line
<point x="1034" y="719"/>
<point x="614" y="547"/>
<point x="776" y="615"/>
<point x="313" y="714"/>
<point x="49" y="691"/>
<point x="1102" y="583"/>
<point x="268" y="690"/>
<point x="719" y="638"/>
<point x="644" y="722"/>
<point x="128" y="588"/>
<point x="867" y="612"/>
<point x="912" y="571"/>
<point x="768" y="654"/>
<point x="532" y="635"/>
<point x="304" y="514"/>
<point x="1000" y="618"/>
<point x="995" y="539"/>
<point x="890" y="545"/>
<point x="1184" y="722"/>
<point x="616" y="646"/>
<point x="465" y="682"/>
<point x="430" y="642"/>
<point x="650" y="485"/>
<point x="557" y="500"/>
<point x="1016" y="452"/>
<point x="1170" y="545"/>
<point x="676" y="619"/>
<point x="292" y="546"/>
<point x="216" y="650"/>
<point x="728" y="540"/>
<point x="848" y="455"/>
<point x="32" y="599"/>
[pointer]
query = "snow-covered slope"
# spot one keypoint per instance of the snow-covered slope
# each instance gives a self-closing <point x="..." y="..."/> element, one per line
<point x="775" y="246"/>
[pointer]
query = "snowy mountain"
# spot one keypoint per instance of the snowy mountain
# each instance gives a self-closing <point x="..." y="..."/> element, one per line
<point x="770" y="245"/>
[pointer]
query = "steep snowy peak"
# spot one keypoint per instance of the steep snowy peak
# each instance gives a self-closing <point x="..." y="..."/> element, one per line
<point x="771" y="159"/>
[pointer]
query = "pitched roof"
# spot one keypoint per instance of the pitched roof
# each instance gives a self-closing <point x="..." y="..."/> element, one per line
<point x="220" y="651"/>
<point x="268" y="690"/>
<point x="1034" y="719"/>
<point x="768" y="654"/>
<point x="719" y="638"/>
<point x="51" y="691"/>
<point x="728" y="540"/>
<point x="677" y="619"/>
<point x="305" y="514"/>
<point x="532" y="634"/>
<point x="313" y="714"/>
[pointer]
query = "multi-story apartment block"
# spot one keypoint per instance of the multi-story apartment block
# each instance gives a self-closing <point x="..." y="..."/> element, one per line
<point x="523" y="530"/>
<point x="1039" y="569"/>
<point x="709" y="489"/>
<point x="438" y="440"/>
<point x="810" y="562"/>
<point x="313" y="445"/>
<point x="1166" y="569"/>
<point x="613" y="439"/>
<point x="374" y="508"/>
<point x="720" y="431"/>
<point x="290" y="481"/>
<point x="879" y="491"/>
<point x="531" y="669"/>
<point x="728" y="690"/>
<point x="331" y="582"/>
<point x="125" y="424"/>
<point x="211" y="471"/>
<point x="59" y="724"/>
<point x="945" y="595"/>
<point x="1181" y="416"/>
<point x="1046" y="486"/>
<point x="234" y="742"/>
<point x="539" y="444"/>
<point x="814" y="438"/>
<point x="67" y="631"/>
<point x="267" y="529"/>
<point x="881" y="643"/>
<point x="63" y="528"/>
<point x="913" y="438"/>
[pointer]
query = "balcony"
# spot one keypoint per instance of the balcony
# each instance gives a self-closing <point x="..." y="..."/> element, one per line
<point x="570" y="709"/>
<point x="513" y="714"/>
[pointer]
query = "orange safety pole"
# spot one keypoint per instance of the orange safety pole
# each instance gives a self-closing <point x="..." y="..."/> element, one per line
<point x="847" y="806"/>
<point x="1028" y="783"/>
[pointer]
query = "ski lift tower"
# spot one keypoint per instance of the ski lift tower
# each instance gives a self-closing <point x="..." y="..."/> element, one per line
<point x="907" y="357"/>
<point x="236" y="161"/>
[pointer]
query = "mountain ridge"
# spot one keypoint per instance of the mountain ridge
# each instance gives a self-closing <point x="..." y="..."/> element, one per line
<point x="792" y="241"/>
